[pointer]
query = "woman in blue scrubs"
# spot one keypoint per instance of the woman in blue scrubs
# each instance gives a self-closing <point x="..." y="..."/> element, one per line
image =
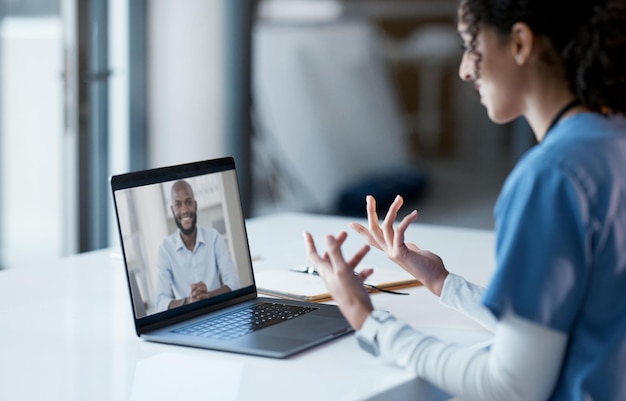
<point x="556" y="303"/>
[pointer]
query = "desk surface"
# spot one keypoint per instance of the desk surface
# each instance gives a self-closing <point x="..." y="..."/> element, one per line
<point x="66" y="331"/>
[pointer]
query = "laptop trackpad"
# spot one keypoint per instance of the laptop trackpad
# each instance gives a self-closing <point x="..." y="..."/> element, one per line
<point x="305" y="328"/>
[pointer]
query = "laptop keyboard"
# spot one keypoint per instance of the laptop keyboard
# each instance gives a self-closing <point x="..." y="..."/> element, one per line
<point x="244" y="321"/>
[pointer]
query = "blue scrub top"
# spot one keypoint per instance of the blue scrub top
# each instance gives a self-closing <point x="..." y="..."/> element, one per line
<point x="561" y="250"/>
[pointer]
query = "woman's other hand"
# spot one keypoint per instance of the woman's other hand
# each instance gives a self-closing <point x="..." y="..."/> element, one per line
<point x="345" y="286"/>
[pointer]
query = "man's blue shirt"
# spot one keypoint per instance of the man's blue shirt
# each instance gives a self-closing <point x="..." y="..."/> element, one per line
<point x="179" y="268"/>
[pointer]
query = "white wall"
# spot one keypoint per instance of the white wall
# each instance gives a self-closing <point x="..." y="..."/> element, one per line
<point x="184" y="81"/>
<point x="327" y="110"/>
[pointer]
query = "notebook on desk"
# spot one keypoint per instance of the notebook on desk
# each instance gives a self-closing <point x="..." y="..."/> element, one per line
<point x="293" y="284"/>
<point x="189" y="270"/>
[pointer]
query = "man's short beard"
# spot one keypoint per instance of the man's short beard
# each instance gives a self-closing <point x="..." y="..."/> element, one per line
<point x="191" y="229"/>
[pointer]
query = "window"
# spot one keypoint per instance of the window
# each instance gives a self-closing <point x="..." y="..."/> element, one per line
<point x="36" y="168"/>
<point x="126" y="85"/>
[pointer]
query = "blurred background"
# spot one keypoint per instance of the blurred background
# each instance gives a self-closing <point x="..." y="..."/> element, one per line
<point x="319" y="101"/>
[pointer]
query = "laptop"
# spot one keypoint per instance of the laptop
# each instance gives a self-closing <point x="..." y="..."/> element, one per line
<point x="189" y="270"/>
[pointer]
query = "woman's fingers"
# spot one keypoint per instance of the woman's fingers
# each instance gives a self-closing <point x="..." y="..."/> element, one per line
<point x="372" y="219"/>
<point x="358" y="257"/>
<point x="365" y="233"/>
<point x="384" y="236"/>
<point x="320" y="263"/>
<point x="365" y="273"/>
<point x="390" y="217"/>
<point x="370" y="206"/>
<point x="398" y="239"/>
<point x="341" y="237"/>
<point x="309" y="244"/>
<point x="392" y="213"/>
<point x="334" y="251"/>
<point x="334" y="245"/>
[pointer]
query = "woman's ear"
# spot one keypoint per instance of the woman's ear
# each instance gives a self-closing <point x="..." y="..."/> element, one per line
<point x="522" y="42"/>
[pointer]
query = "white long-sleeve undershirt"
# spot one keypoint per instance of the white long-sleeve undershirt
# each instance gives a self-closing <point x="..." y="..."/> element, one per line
<point x="523" y="362"/>
<point x="458" y="293"/>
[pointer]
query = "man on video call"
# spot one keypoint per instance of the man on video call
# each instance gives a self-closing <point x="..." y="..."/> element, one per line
<point x="193" y="262"/>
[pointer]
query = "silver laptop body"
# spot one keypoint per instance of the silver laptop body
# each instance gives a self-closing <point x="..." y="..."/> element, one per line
<point x="146" y="217"/>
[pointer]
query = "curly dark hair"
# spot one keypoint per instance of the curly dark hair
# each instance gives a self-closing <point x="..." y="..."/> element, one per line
<point x="588" y="38"/>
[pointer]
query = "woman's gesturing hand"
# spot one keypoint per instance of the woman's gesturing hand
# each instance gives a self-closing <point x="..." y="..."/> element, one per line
<point x="345" y="286"/>
<point x="423" y="265"/>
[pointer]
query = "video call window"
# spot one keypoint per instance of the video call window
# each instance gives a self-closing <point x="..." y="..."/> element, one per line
<point x="182" y="241"/>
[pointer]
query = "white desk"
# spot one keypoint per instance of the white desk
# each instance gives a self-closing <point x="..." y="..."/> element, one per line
<point x="66" y="331"/>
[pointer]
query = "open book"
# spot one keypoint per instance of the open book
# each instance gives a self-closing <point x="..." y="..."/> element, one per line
<point x="309" y="287"/>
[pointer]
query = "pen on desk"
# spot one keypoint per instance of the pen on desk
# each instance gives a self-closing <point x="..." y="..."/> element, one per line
<point x="305" y="270"/>
<point x="311" y="270"/>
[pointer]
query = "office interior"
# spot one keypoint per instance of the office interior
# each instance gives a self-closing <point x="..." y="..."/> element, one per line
<point x="315" y="99"/>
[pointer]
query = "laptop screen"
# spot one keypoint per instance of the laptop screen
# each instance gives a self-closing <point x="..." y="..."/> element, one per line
<point x="183" y="237"/>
